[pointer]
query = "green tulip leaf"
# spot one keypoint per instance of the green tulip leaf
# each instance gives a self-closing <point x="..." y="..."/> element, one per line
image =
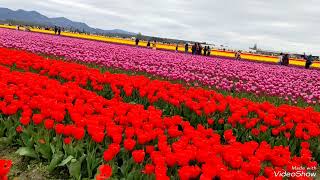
<point x="27" y="151"/>
<point x="75" y="167"/>
<point x="56" y="159"/>
<point x="66" y="161"/>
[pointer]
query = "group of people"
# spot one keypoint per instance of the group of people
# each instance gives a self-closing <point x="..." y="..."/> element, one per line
<point x="57" y="30"/>
<point x="148" y="44"/>
<point x="197" y="49"/>
<point x="284" y="59"/>
<point x="153" y="44"/>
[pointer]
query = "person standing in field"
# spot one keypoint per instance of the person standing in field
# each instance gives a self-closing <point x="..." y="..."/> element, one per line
<point x="193" y="49"/>
<point x="197" y="48"/>
<point x="154" y="46"/>
<point x="280" y="58"/>
<point x="186" y="48"/>
<point x="285" y="60"/>
<point x="137" y="41"/>
<point x="200" y="49"/>
<point x="237" y="55"/>
<point x="59" y="31"/>
<point x="205" y="51"/>
<point x="208" y="51"/>
<point x="177" y="47"/>
<point x="309" y="61"/>
<point x="148" y="44"/>
<point x="55" y="29"/>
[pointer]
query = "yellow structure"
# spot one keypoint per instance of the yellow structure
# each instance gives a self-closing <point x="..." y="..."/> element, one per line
<point x="170" y="47"/>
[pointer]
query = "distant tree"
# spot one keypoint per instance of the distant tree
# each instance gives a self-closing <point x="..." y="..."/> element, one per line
<point x="139" y="35"/>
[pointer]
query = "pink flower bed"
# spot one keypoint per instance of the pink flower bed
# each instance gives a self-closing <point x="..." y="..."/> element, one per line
<point x="287" y="82"/>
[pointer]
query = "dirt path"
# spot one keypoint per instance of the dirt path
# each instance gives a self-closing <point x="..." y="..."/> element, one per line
<point x="24" y="168"/>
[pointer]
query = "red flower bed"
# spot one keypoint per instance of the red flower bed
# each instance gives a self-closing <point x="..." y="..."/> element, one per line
<point x="287" y="121"/>
<point x="163" y="146"/>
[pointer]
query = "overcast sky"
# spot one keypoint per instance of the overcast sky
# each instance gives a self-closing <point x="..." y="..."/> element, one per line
<point x="284" y="25"/>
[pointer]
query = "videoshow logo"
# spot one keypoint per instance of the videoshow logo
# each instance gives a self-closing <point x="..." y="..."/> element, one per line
<point x="297" y="172"/>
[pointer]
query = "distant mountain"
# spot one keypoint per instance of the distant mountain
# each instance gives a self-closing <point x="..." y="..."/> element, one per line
<point x="33" y="17"/>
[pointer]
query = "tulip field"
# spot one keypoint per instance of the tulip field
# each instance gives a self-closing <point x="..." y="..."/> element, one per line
<point x="169" y="47"/>
<point x="94" y="110"/>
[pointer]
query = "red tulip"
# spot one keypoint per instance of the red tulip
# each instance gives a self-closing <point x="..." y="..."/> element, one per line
<point x="67" y="140"/>
<point x="105" y="172"/>
<point x="48" y="123"/>
<point x="19" y="129"/>
<point x="129" y="144"/>
<point x="149" y="169"/>
<point x="138" y="156"/>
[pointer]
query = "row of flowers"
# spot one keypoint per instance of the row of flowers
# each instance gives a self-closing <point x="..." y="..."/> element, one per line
<point x="202" y="106"/>
<point x="261" y="79"/>
<point x="129" y="138"/>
